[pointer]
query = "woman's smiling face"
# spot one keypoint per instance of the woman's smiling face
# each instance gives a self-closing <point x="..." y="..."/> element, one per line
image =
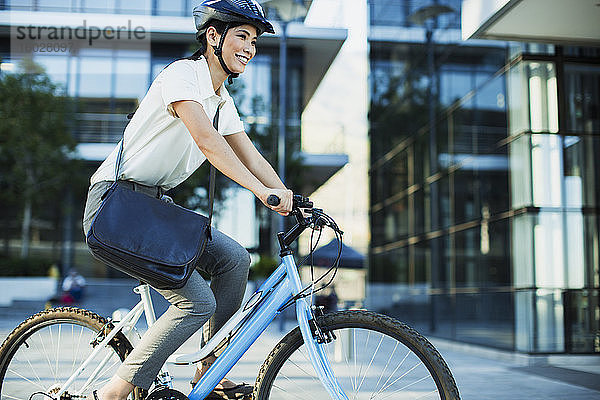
<point x="239" y="47"/>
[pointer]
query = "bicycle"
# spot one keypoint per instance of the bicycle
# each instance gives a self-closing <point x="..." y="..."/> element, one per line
<point x="351" y="354"/>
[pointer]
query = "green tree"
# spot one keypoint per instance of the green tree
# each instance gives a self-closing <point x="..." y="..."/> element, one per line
<point x="35" y="144"/>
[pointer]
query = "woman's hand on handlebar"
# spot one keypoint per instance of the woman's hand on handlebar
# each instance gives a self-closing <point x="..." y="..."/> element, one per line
<point x="285" y="197"/>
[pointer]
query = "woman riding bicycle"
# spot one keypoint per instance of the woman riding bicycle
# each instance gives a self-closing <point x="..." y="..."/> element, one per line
<point x="170" y="135"/>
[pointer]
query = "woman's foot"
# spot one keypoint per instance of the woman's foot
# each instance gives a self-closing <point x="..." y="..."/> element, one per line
<point x="225" y="389"/>
<point x="230" y="390"/>
<point x="115" y="389"/>
<point x="225" y="384"/>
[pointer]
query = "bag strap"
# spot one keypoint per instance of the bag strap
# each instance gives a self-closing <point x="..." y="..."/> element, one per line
<point x="211" y="176"/>
<point x="211" y="182"/>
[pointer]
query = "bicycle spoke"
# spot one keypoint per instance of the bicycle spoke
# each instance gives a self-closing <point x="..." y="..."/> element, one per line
<point x="298" y="385"/>
<point x="52" y="343"/>
<point x="354" y="353"/>
<point x="370" y="363"/>
<point x="30" y="366"/>
<point x="34" y="371"/>
<point x="27" y="379"/>
<point x="427" y="394"/>
<point x="78" y="347"/>
<point x="301" y="351"/>
<point x="403" y="375"/>
<point x="286" y="392"/>
<point x="346" y="360"/>
<point x="58" y="347"/>
<point x="384" y="369"/>
<point x="13" y="397"/>
<point x="46" y="354"/>
<point x="99" y="370"/>
<point x="73" y="341"/>
<point x="303" y="370"/>
<point x="393" y="372"/>
<point x="404" y="387"/>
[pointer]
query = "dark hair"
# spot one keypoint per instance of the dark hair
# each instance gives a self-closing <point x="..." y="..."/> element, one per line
<point x="219" y="27"/>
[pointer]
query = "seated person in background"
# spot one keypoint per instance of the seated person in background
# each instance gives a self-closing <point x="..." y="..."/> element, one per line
<point x="73" y="287"/>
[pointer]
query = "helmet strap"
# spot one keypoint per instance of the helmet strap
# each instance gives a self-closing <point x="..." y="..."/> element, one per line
<point x="219" y="53"/>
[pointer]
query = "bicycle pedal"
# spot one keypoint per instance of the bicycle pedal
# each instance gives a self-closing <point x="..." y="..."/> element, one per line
<point x="166" y="394"/>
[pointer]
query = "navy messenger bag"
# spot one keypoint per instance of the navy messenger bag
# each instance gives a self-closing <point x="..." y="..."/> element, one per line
<point x="148" y="238"/>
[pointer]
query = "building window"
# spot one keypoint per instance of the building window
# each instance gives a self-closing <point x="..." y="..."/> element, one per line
<point x="172" y="7"/>
<point x="397" y="12"/>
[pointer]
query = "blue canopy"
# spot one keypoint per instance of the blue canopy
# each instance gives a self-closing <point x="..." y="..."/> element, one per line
<point x="325" y="256"/>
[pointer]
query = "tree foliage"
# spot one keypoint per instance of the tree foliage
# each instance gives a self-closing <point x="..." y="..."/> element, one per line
<point x="35" y="144"/>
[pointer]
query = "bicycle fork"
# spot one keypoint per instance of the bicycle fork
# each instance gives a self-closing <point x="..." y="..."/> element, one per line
<point x="316" y="350"/>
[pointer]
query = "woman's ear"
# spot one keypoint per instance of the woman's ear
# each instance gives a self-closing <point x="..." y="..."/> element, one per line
<point x="212" y="36"/>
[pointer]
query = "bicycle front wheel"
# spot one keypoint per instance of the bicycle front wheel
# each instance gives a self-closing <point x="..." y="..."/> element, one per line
<point x="40" y="355"/>
<point x="372" y="356"/>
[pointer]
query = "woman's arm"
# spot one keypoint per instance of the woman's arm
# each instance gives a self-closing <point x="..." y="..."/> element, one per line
<point x="221" y="155"/>
<point x="253" y="160"/>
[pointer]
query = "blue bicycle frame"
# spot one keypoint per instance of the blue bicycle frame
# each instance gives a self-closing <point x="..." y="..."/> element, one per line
<point x="267" y="301"/>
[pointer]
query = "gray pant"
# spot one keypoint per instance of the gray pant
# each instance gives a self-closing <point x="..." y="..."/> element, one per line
<point x="191" y="306"/>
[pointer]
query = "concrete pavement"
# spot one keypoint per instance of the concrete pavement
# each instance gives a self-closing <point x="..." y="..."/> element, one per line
<point x="481" y="373"/>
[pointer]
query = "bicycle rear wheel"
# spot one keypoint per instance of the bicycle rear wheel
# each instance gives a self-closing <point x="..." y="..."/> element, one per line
<point x="40" y="355"/>
<point x="373" y="357"/>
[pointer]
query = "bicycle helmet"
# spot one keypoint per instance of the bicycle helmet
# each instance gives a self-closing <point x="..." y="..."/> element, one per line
<point x="230" y="12"/>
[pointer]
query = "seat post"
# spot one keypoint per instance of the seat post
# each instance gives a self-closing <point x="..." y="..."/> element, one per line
<point x="144" y="291"/>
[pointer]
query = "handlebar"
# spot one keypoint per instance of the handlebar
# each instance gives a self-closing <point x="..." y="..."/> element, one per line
<point x="299" y="201"/>
<point x="317" y="219"/>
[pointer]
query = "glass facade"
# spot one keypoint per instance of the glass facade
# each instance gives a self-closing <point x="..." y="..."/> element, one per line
<point x="397" y="12"/>
<point x="485" y="220"/>
<point x="179" y="8"/>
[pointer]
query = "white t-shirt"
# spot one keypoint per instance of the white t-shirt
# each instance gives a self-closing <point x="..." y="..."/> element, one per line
<point x="159" y="150"/>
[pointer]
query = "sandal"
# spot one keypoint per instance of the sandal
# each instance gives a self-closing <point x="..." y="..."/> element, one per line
<point x="237" y="392"/>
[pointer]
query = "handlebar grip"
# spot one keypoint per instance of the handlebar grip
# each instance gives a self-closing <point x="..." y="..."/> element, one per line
<point x="273" y="200"/>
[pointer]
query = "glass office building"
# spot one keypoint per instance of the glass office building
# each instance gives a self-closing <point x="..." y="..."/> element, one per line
<point x="484" y="218"/>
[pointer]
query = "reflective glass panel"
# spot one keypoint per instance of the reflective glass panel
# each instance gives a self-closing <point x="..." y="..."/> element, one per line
<point x="54" y="5"/>
<point x="135" y="7"/>
<point x="522" y="251"/>
<point x="255" y="100"/>
<point x="582" y="325"/>
<point x="419" y="211"/>
<point x="520" y="172"/>
<point x="581" y="171"/>
<point x="19" y="4"/>
<point x="132" y="77"/>
<point x="582" y="87"/>
<point x="533" y="99"/>
<point x="397" y="173"/>
<point x="95" y="77"/>
<point x="549" y="311"/>
<point x="97" y="6"/>
<point x="485" y="318"/>
<point x="171" y="7"/>
<point x="56" y="67"/>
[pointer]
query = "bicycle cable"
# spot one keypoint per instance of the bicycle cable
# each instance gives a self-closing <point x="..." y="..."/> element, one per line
<point x="42" y="393"/>
<point x="328" y="221"/>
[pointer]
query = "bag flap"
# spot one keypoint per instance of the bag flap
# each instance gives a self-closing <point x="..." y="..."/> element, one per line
<point x="148" y="227"/>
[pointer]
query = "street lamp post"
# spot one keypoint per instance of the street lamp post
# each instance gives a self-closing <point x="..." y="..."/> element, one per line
<point x="287" y="10"/>
<point x="427" y="17"/>
<point x="282" y="106"/>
